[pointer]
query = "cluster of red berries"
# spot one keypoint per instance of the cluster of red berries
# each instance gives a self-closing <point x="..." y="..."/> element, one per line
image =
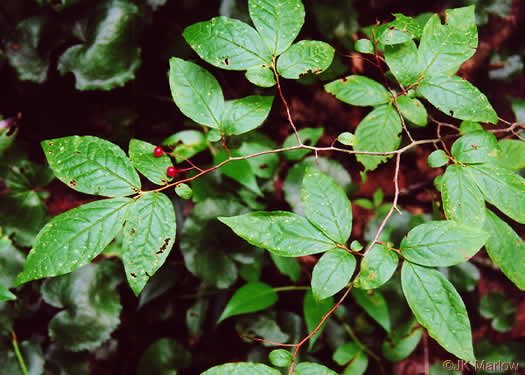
<point x="170" y="171"/>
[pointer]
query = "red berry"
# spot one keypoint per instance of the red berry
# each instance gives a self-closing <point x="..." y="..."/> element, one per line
<point x="158" y="152"/>
<point x="171" y="172"/>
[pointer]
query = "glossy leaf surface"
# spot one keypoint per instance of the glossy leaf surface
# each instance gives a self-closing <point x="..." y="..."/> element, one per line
<point x="142" y="158"/>
<point x="242" y="115"/>
<point x="377" y="267"/>
<point x="303" y="57"/>
<point x="332" y="273"/>
<point x="358" y="90"/>
<point x="241" y="368"/>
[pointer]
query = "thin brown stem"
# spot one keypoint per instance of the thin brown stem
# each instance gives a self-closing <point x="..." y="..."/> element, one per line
<point x="225" y="147"/>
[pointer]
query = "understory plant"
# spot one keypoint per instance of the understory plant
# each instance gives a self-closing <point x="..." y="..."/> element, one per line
<point x="482" y="195"/>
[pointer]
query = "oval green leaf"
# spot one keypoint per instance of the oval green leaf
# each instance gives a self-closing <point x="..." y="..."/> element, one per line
<point x="154" y="168"/>
<point x="332" y="273"/>
<point x="242" y="368"/>
<point x="377" y="267"/>
<point x="439" y="308"/>
<point x="249" y="298"/>
<point x="403" y="340"/>
<point x="184" y="191"/>
<point x="326" y="205"/>
<point x="309" y="368"/>
<point x="413" y="110"/>
<point x="303" y="57"/>
<point x="476" y="147"/>
<point x="442" y="243"/>
<point x="74" y="238"/>
<point x="280" y="357"/>
<point x="437" y="159"/>
<point x="242" y="115"/>
<point x="185" y="144"/>
<point x="92" y="165"/>
<point x="358" y="90"/>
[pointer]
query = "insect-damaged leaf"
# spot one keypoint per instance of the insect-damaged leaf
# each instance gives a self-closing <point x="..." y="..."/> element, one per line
<point x="92" y="165"/>
<point x="74" y="238"/>
<point x="149" y="235"/>
<point x="303" y="57"/>
<point x="439" y="308"/>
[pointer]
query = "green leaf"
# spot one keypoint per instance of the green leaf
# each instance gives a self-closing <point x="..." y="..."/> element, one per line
<point x="347" y="138"/>
<point x="458" y="98"/>
<point x="442" y="243"/>
<point x="303" y="57"/>
<point x="332" y="273"/>
<point x="439" y="308"/>
<point x="240" y="170"/>
<point x="518" y="107"/>
<point x="403" y="62"/>
<point x="280" y="357"/>
<point x="512" y="154"/>
<point x="90" y="302"/>
<point x="110" y="56"/>
<point x="282" y="233"/>
<point x="462" y="200"/>
<point x="502" y="188"/>
<point x="476" y="147"/>
<point x="364" y="46"/>
<point x="358" y="90"/>
<point x="402" y="341"/>
<point x="500" y="309"/>
<point x="260" y="325"/>
<point x="294" y="180"/>
<point x="196" y="92"/>
<point x="263" y="166"/>
<point x="463" y="276"/>
<point x="92" y="165"/>
<point x="437" y="159"/>
<point x="379" y="132"/>
<point x="243" y="115"/>
<point x="149" y="235"/>
<point x="164" y="357"/>
<point x="401" y="30"/>
<point x="74" y="238"/>
<point x="5" y="294"/>
<point x="506" y="249"/>
<point x="183" y="191"/>
<point x="308" y="136"/>
<point x="241" y="368"/>
<point x="11" y="262"/>
<point x="261" y="75"/>
<point x="374" y="304"/>
<point x="249" y="298"/>
<point x="23" y="49"/>
<point x="309" y="368"/>
<point x="326" y="205"/>
<point x="413" y="110"/>
<point x="185" y="144"/>
<point x="287" y="266"/>
<point x="209" y="257"/>
<point x="196" y="316"/>
<point x="313" y="313"/>
<point x="228" y="44"/>
<point x="278" y="22"/>
<point x="377" y="267"/>
<point x="469" y="126"/>
<point x="352" y="356"/>
<point x="142" y="158"/>
<point x="8" y="133"/>
<point x="443" y="48"/>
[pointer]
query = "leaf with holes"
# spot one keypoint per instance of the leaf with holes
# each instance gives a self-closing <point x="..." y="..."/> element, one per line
<point x="314" y="311"/>
<point x="439" y="308"/>
<point x="401" y="30"/>
<point x="443" y="48"/>
<point x="303" y="57"/>
<point x="228" y="44"/>
<point x="90" y="304"/>
<point x="92" y="165"/>
<point x="458" y="98"/>
<point x="374" y="304"/>
<point x="506" y="249"/>
<point x="282" y="233"/>
<point x="154" y="168"/>
<point x="110" y="56"/>
<point x="74" y="238"/>
<point x="242" y="115"/>
<point x="378" y="132"/>
<point x="249" y="298"/>
<point x="278" y="22"/>
<point x="196" y="92"/>
<point x="462" y="199"/>
<point x="501" y="187"/>
<point x="358" y="90"/>
<point x="149" y="235"/>
<point x="377" y="267"/>
<point x="326" y="205"/>
<point x="332" y="273"/>
<point x="442" y="243"/>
